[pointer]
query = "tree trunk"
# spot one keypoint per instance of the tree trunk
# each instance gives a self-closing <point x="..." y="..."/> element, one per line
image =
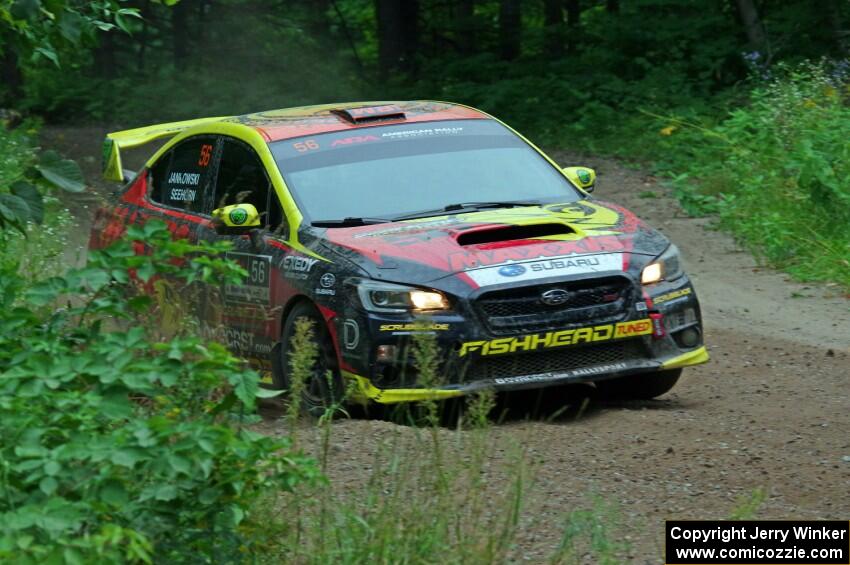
<point x="10" y="73"/>
<point x="318" y="21"/>
<point x="104" y="55"/>
<point x="398" y="38"/>
<point x="553" y="18"/>
<point x="465" y="18"/>
<point x="752" y="25"/>
<point x="180" y="33"/>
<point x="510" y="29"/>
<point x="839" y="31"/>
<point x="612" y="6"/>
<point x="573" y="21"/>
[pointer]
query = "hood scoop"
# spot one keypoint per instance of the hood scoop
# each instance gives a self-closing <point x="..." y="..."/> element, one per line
<point x="512" y="233"/>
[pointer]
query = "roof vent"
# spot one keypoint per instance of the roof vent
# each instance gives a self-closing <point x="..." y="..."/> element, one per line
<point x="512" y="233"/>
<point x="366" y="114"/>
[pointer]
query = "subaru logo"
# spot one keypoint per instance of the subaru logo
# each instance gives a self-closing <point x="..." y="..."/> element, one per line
<point x="554" y="297"/>
<point x="512" y="270"/>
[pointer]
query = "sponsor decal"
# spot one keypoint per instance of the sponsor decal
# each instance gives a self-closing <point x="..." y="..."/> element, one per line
<point x="583" y="175"/>
<point x="350" y="334"/>
<point x="543" y="377"/>
<point x="255" y="287"/>
<point x="657" y="325"/>
<point x="238" y="216"/>
<point x="558" y="338"/>
<point x="296" y="267"/>
<point x="670" y="296"/>
<point x="422" y="132"/>
<point x="409" y="227"/>
<point x="327" y="280"/>
<point x="191" y="179"/>
<point x="354" y="139"/>
<point x="556" y="266"/>
<point x="511" y="270"/>
<point x="641" y="306"/>
<point x="420" y="327"/>
<point x="554" y="249"/>
<point x="183" y="195"/>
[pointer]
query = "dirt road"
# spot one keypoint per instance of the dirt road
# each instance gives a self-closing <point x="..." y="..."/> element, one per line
<point x="771" y="410"/>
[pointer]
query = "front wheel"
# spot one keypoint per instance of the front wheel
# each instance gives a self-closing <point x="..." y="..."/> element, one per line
<point x="644" y="386"/>
<point x="323" y="387"/>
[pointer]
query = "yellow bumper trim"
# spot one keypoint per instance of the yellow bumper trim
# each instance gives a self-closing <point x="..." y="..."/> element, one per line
<point x="367" y="391"/>
<point x="695" y="357"/>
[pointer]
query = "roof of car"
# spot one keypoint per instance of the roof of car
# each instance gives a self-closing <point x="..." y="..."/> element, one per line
<point x="287" y="123"/>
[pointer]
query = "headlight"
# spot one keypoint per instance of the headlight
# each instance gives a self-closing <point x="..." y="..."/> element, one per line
<point x="387" y="297"/>
<point x="667" y="267"/>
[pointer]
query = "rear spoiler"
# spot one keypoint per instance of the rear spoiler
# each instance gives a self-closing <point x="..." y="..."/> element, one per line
<point x="127" y="139"/>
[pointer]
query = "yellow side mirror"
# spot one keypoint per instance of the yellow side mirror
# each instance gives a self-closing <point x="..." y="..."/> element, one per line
<point x="582" y="177"/>
<point x="236" y="218"/>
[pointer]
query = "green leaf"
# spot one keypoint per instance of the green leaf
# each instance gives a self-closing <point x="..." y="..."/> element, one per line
<point x="179" y="464"/>
<point x="48" y="485"/>
<point x="165" y="492"/>
<point x="71" y="26"/>
<point x="116" y="406"/>
<point x="25" y="9"/>
<point x="268" y="393"/>
<point x="209" y="495"/>
<point x="146" y="271"/>
<point x="52" y="468"/>
<point x="114" y="493"/>
<point x="128" y="457"/>
<point x="64" y="173"/>
<point x="14" y="208"/>
<point x="49" y="53"/>
<point x="30" y="194"/>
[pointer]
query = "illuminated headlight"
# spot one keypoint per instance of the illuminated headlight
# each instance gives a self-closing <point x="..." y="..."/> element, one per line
<point x="387" y="297"/>
<point x="667" y="267"/>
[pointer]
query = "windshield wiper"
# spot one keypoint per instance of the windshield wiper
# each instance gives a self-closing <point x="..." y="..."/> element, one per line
<point x="466" y="206"/>
<point x="348" y="222"/>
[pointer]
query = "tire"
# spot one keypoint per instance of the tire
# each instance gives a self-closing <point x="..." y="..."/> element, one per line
<point x="319" y="393"/>
<point x="644" y="386"/>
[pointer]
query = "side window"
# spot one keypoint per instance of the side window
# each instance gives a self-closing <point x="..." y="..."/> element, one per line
<point x="182" y="178"/>
<point x="242" y="179"/>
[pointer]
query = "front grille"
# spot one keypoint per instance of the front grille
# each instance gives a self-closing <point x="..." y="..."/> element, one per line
<point x="554" y="361"/>
<point x="518" y="310"/>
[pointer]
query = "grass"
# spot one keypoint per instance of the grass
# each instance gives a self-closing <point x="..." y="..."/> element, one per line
<point x="432" y="494"/>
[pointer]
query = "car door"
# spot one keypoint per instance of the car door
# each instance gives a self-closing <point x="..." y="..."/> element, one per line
<point x="249" y="309"/>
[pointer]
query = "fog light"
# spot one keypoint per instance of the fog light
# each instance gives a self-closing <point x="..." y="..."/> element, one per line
<point x="385" y="353"/>
<point x="688" y="337"/>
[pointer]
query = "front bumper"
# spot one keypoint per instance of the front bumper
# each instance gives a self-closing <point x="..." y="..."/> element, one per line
<point x="645" y="335"/>
<point x="365" y="390"/>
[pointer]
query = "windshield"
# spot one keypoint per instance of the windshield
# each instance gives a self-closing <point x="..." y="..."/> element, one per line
<point x="391" y="171"/>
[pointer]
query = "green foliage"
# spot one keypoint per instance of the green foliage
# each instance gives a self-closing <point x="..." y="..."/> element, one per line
<point x="777" y="171"/>
<point x="43" y="30"/>
<point x="25" y="174"/>
<point x="118" y="447"/>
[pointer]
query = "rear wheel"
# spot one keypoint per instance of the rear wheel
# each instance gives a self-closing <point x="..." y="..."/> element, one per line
<point x="323" y="387"/>
<point x="643" y="386"/>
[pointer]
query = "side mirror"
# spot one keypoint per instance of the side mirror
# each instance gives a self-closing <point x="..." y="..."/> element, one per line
<point x="236" y="219"/>
<point x="582" y="177"/>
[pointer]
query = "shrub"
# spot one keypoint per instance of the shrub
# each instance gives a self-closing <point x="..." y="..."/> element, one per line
<point x="117" y="447"/>
<point x="778" y="170"/>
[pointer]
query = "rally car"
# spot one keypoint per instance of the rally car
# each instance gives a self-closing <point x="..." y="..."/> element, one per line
<point x="380" y="221"/>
